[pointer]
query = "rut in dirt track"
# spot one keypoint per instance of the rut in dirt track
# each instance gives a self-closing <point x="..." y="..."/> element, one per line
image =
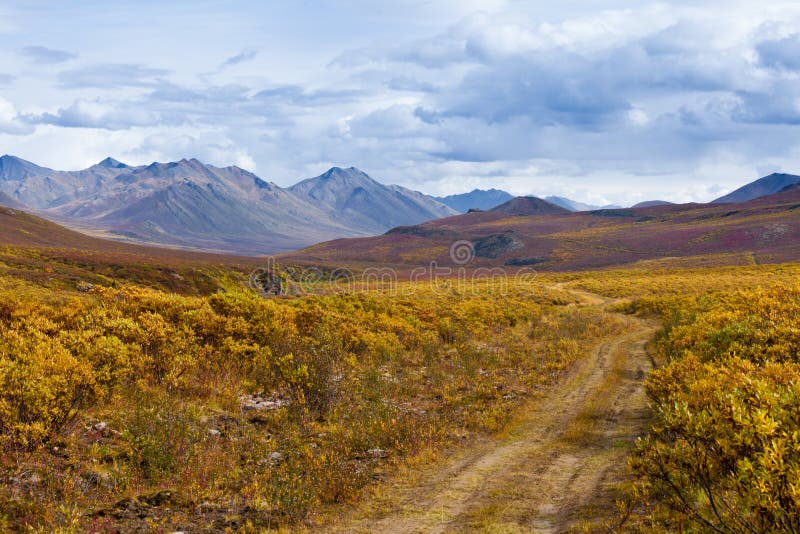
<point x="556" y="467"/>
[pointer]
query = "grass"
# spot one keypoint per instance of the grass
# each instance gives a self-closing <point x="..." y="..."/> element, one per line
<point x="148" y="396"/>
<point x="130" y="406"/>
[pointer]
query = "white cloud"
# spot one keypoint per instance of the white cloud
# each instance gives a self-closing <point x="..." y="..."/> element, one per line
<point x="106" y="115"/>
<point x="10" y="121"/>
<point x="610" y="102"/>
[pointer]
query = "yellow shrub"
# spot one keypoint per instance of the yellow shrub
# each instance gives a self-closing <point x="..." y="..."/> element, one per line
<point x="42" y="387"/>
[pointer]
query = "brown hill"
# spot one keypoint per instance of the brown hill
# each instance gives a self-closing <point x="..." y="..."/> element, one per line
<point x="42" y="251"/>
<point x="529" y="206"/>
<point x="762" y="230"/>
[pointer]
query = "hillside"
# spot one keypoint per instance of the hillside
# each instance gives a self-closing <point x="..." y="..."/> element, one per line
<point x="35" y="249"/>
<point x="652" y="203"/>
<point x="8" y="202"/>
<point x="764" y="230"/>
<point x="767" y="185"/>
<point x="522" y="206"/>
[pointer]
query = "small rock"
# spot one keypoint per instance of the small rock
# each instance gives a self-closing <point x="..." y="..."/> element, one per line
<point x="102" y="426"/>
<point x="255" y="402"/>
<point x="85" y="287"/>
<point x="214" y="432"/>
<point x="26" y="478"/>
<point x="377" y="453"/>
<point x="275" y="457"/>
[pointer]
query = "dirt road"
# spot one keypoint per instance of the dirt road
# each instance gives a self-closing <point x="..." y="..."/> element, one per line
<point x="553" y="470"/>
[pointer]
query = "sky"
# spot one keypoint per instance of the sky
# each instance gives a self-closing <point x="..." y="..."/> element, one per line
<point x="599" y="101"/>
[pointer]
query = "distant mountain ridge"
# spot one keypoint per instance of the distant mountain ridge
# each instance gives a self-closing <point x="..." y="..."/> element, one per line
<point x="191" y="204"/>
<point x="767" y="185"/>
<point x="574" y="205"/>
<point x="530" y="233"/>
<point x="487" y="199"/>
<point x="353" y="199"/>
<point x="481" y="199"/>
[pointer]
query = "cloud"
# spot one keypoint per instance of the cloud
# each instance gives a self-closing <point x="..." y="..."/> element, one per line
<point x="98" y="114"/>
<point x="779" y="105"/>
<point x="44" y="55"/>
<point x="407" y="83"/>
<point x="10" y="120"/>
<point x="780" y="53"/>
<point x="603" y="105"/>
<point x="6" y="79"/>
<point x="208" y="146"/>
<point x="112" y="76"/>
<point x="242" y="57"/>
<point x="300" y="96"/>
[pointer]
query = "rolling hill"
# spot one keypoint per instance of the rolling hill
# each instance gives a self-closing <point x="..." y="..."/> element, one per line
<point x="522" y="206"/>
<point x="763" y="230"/>
<point x="652" y="203"/>
<point x="42" y="251"/>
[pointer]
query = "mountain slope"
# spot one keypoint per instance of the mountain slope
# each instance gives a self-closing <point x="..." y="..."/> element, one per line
<point x="482" y="199"/>
<point x="46" y="253"/>
<point x="354" y="200"/>
<point x="767" y="185"/>
<point x="16" y="169"/>
<point x="190" y="204"/>
<point x="8" y="202"/>
<point x="30" y="184"/>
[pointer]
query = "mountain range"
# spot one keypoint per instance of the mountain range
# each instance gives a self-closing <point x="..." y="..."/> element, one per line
<point x="477" y="199"/>
<point x="189" y="204"/>
<point x="194" y="205"/>
<point x="768" y="185"/>
<point x="528" y="231"/>
<point x="574" y="205"/>
<point x="486" y="199"/>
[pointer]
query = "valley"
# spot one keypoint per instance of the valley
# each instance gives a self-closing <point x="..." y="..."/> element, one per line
<point x="148" y="388"/>
<point x="421" y="267"/>
<point x="555" y="469"/>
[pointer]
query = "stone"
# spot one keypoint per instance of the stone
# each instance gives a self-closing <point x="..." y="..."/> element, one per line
<point x="377" y="453"/>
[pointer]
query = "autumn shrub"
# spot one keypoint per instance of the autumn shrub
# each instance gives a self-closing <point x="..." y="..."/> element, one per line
<point x="724" y="452"/>
<point x="42" y="387"/>
<point x="164" y="391"/>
